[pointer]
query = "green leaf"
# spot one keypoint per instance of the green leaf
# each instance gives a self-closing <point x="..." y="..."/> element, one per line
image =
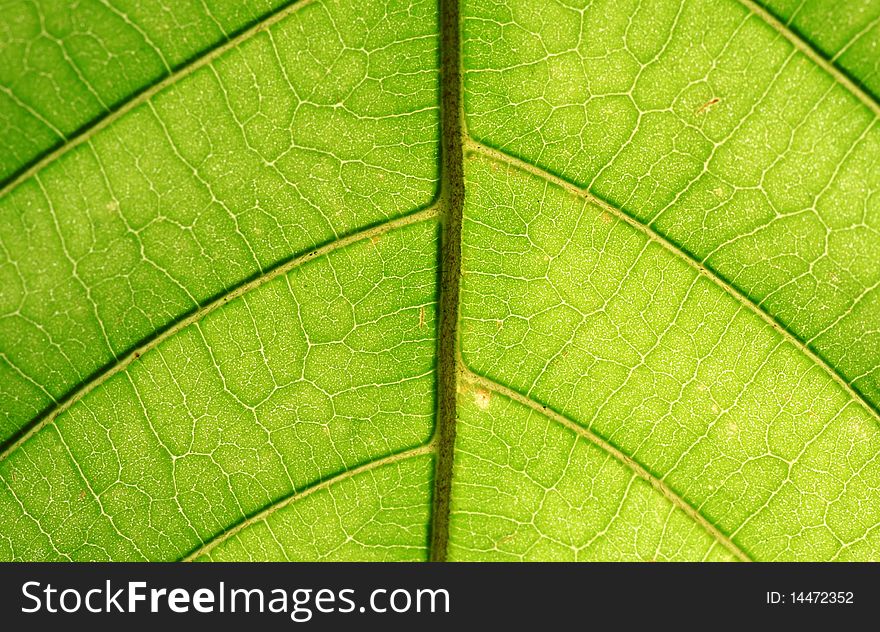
<point x="382" y="279"/>
<point x="62" y="68"/>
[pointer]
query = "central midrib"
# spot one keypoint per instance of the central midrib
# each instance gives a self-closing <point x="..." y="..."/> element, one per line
<point x="451" y="208"/>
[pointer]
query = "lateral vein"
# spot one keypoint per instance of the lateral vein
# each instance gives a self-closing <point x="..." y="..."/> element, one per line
<point x="517" y="163"/>
<point x="297" y="495"/>
<point x="637" y="468"/>
<point x="835" y="71"/>
<point x="90" y="128"/>
<point x="123" y="361"/>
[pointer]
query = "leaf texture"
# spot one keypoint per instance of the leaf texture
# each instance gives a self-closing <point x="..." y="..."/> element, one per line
<point x="65" y="65"/>
<point x="477" y="280"/>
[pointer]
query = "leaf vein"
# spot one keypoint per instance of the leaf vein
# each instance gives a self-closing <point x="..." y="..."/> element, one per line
<point x="297" y="495"/>
<point x="124" y="360"/>
<point x="700" y="267"/>
<point x="829" y="66"/>
<point x="87" y="131"/>
<point x="637" y="468"/>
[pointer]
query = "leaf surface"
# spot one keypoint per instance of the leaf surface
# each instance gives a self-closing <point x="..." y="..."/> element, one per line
<point x="382" y="279"/>
<point x="63" y="67"/>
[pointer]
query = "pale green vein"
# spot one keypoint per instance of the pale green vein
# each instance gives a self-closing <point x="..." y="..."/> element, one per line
<point x="818" y="58"/>
<point x="49" y="416"/>
<point x="637" y="468"/>
<point x="95" y="126"/>
<point x="651" y="234"/>
<point x="295" y="496"/>
<point x="27" y="108"/>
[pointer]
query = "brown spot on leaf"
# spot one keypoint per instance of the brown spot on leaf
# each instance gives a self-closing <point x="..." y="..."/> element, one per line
<point x="708" y="105"/>
<point x="482" y="398"/>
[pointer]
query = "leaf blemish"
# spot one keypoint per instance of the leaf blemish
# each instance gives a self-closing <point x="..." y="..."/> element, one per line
<point x="482" y="398"/>
<point x="708" y="105"/>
